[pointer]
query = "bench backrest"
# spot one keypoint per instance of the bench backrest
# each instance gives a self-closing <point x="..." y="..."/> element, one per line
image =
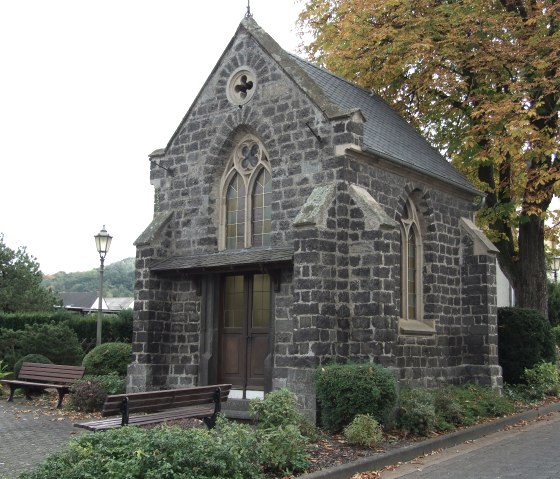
<point x="50" y="373"/>
<point x="154" y="401"/>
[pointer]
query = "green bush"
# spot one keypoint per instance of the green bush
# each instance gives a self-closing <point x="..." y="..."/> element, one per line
<point x="554" y="303"/>
<point x="449" y="411"/>
<point x="55" y="341"/>
<point x="18" y="321"/>
<point x="30" y="358"/>
<point x="524" y="340"/>
<point x="478" y="402"/>
<point x="364" y="430"/>
<point x="114" y="327"/>
<point x="228" y="451"/>
<point x="283" y="449"/>
<point x="279" y="408"/>
<point x="541" y="381"/>
<point x="417" y="412"/>
<point x="556" y="334"/>
<point x="346" y="390"/>
<point x="108" y="358"/>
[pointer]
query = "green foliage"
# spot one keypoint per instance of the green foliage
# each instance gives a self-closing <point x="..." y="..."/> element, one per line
<point x="478" y="402"/>
<point x="113" y="383"/>
<point x="524" y="340"/>
<point x="282" y="432"/>
<point x="556" y="335"/>
<point x="4" y="373"/>
<point x="30" y="358"/>
<point x="278" y="408"/>
<point x="108" y="358"/>
<point x="20" y="282"/>
<point x="17" y="321"/>
<point x="227" y="452"/>
<point x="541" y="381"/>
<point x="283" y="449"/>
<point x="118" y="280"/>
<point x="554" y="303"/>
<point x="417" y="411"/>
<point x="113" y="327"/>
<point x="89" y="393"/>
<point x="55" y="341"/>
<point x="364" y="430"/>
<point x="422" y="411"/>
<point x="346" y="390"/>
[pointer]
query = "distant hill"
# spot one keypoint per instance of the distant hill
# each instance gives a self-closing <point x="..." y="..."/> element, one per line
<point x="118" y="280"/>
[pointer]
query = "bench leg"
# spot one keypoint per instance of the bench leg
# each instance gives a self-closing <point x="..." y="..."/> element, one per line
<point x="12" y="391"/>
<point x="61" y="394"/>
<point x="210" y="421"/>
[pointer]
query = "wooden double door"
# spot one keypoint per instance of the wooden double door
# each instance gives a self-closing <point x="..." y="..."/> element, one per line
<point x="244" y="339"/>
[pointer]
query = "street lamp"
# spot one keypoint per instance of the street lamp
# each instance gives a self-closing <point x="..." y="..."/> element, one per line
<point x="555" y="267"/>
<point x="102" y="243"/>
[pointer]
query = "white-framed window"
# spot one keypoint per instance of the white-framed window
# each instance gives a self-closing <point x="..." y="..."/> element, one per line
<point x="246" y="197"/>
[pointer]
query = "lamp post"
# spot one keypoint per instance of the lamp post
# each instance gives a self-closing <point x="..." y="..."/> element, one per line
<point x="102" y="243"/>
<point x="555" y="267"/>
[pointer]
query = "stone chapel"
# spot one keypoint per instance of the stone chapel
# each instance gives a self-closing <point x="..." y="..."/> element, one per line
<point x="300" y="221"/>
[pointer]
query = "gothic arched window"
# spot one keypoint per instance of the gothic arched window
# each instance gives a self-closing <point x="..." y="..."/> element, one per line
<point x="411" y="251"/>
<point x="247" y="197"/>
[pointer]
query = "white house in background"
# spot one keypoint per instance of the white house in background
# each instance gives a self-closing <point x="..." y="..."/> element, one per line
<point x="119" y="304"/>
<point x="504" y="292"/>
<point x="84" y="303"/>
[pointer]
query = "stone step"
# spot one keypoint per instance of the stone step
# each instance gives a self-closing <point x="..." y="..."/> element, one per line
<point x="237" y="409"/>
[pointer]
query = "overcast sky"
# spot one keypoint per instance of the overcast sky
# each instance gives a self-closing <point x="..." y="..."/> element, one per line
<point x="87" y="90"/>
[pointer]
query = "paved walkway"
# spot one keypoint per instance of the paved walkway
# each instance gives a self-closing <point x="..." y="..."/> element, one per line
<point x="29" y="432"/>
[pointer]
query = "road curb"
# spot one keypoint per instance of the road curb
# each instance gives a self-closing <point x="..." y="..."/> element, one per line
<point x="407" y="453"/>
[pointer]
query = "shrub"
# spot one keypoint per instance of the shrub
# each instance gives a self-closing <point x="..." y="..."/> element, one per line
<point x="278" y="409"/>
<point x="113" y="327"/>
<point x="4" y="373"/>
<point x="417" y="412"/>
<point x="344" y="391"/>
<point x="87" y="396"/>
<point x="30" y="358"/>
<point x="18" y="321"/>
<point x="556" y="334"/>
<point x="478" y="402"/>
<point x="449" y="411"/>
<point x="554" y="303"/>
<point x="524" y="340"/>
<point x="228" y="451"/>
<point x="108" y="358"/>
<point x="283" y="449"/>
<point x="363" y="430"/>
<point x="542" y="381"/>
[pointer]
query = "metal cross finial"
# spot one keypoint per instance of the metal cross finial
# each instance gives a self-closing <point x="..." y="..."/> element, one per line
<point x="248" y="14"/>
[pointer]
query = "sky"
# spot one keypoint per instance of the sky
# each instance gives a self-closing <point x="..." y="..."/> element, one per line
<point x="88" y="89"/>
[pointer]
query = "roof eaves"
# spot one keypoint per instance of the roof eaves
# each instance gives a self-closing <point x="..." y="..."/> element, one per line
<point x="463" y="186"/>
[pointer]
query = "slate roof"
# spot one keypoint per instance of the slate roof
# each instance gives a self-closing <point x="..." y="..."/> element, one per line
<point x="78" y="300"/>
<point x="386" y="133"/>
<point x="226" y="259"/>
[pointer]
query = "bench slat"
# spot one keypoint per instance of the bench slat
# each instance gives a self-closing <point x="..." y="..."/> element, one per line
<point x="156" y="418"/>
<point x="152" y="401"/>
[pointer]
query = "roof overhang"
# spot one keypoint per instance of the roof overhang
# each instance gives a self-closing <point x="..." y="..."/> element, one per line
<point x="225" y="261"/>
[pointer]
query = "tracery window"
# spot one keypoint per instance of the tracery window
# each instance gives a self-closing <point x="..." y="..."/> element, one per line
<point x="247" y="197"/>
<point x="411" y="244"/>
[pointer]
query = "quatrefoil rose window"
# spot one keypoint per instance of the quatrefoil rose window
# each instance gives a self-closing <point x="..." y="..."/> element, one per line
<point x="248" y="155"/>
<point x="241" y="86"/>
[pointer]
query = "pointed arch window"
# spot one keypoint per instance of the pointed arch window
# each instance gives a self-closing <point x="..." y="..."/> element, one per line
<point x="411" y="250"/>
<point x="247" y="197"/>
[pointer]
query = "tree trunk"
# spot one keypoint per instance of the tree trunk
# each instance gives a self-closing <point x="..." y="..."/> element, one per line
<point x="531" y="289"/>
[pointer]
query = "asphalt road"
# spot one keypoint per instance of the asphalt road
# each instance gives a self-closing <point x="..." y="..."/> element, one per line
<point x="530" y="451"/>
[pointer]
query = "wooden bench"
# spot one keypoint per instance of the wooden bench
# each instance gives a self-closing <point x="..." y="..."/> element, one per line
<point x="36" y="375"/>
<point x="154" y="407"/>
